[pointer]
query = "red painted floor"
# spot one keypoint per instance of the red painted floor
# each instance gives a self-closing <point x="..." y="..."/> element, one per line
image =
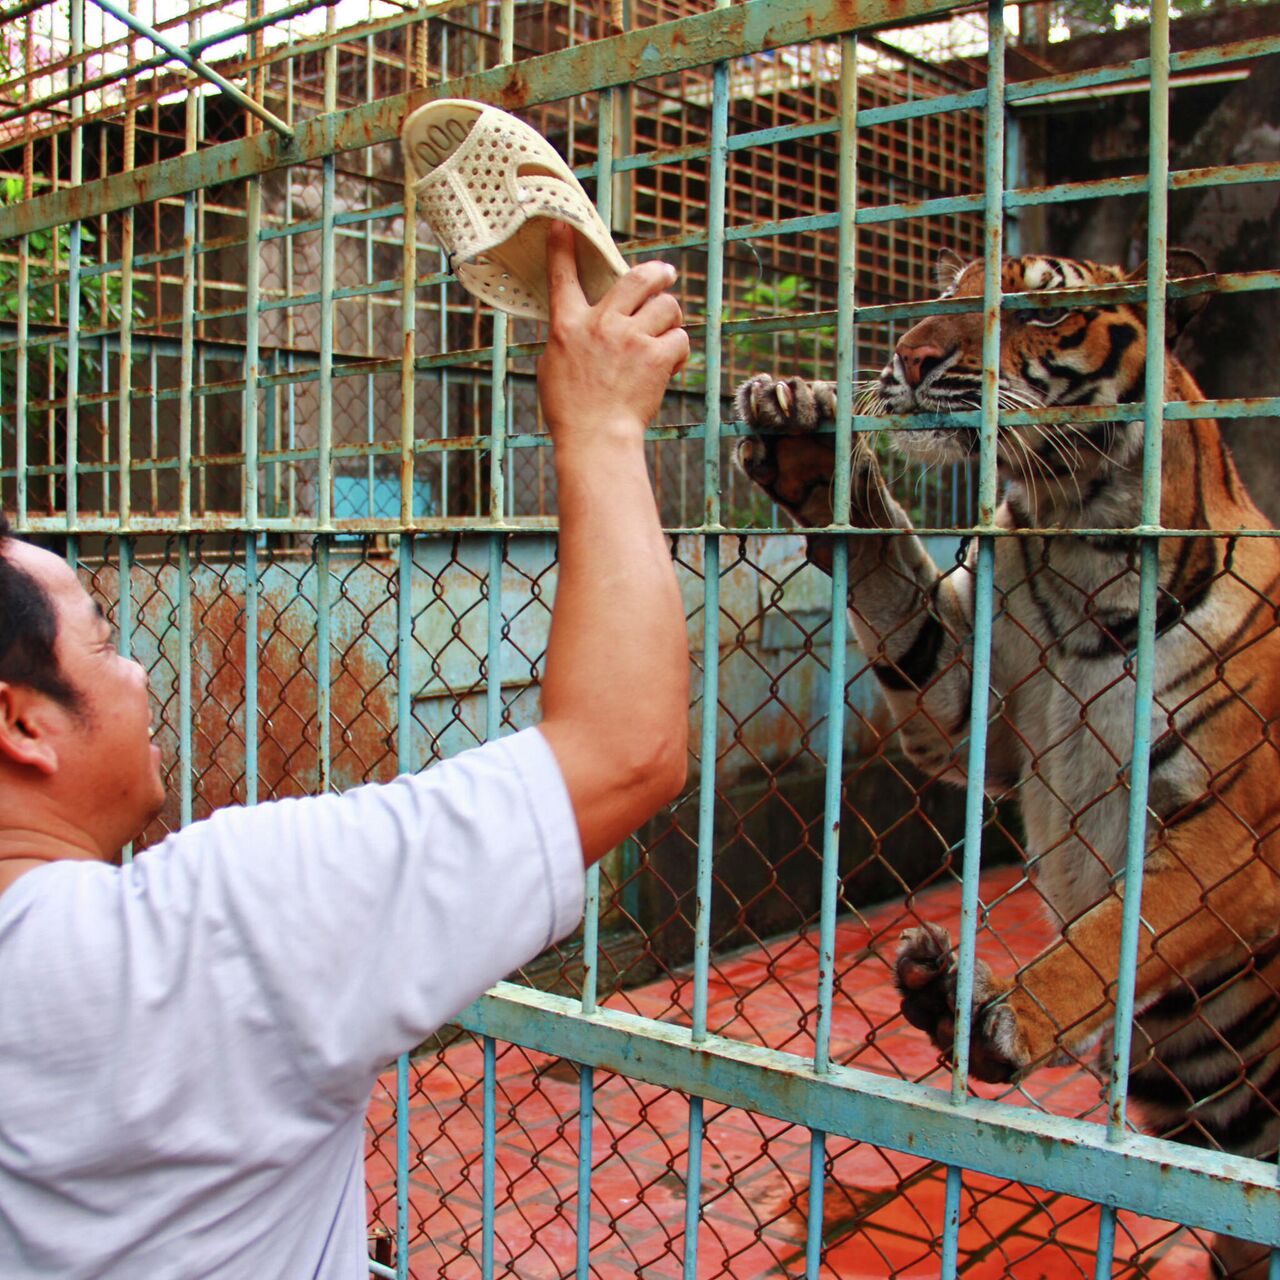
<point x="883" y="1211"/>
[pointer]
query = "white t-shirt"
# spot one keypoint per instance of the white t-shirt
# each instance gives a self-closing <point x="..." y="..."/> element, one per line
<point x="188" y="1044"/>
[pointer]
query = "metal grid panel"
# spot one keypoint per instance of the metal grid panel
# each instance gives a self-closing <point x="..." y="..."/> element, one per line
<point x="336" y="554"/>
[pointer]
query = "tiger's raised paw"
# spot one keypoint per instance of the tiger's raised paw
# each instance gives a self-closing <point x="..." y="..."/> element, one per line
<point x="925" y="974"/>
<point x="784" y="404"/>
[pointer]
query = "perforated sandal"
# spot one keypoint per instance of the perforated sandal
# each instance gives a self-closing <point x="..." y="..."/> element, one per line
<point x="489" y="186"/>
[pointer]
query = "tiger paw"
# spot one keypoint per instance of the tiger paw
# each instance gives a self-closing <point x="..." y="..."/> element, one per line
<point x="925" y="973"/>
<point x="784" y="404"/>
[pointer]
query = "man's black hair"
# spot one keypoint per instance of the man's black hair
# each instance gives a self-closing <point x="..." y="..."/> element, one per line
<point x="29" y="631"/>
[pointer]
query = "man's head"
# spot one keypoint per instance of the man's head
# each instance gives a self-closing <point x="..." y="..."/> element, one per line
<point x="76" y="759"/>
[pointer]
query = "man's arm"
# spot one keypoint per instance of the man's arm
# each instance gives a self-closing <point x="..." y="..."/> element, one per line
<point x="616" y="688"/>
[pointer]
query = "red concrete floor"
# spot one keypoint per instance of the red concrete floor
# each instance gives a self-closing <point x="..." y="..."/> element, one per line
<point x="883" y="1211"/>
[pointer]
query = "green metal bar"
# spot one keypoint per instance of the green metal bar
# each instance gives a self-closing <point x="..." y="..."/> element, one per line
<point x="324" y="673"/>
<point x="251" y="711"/>
<point x="716" y="180"/>
<point x="201" y="69"/>
<point x="591" y="916"/>
<point x="408" y="339"/>
<point x="124" y="622"/>
<point x="20" y="381"/>
<point x="112" y="78"/>
<point x="493" y="692"/>
<point x="185" y="379"/>
<point x="668" y="47"/>
<point x="124" y="390"/>
<point x="405" y="685"/>
<point x="186" y="766"/>
<point x="984" y="590"/>
<point x="1223" y="282"/>
<point x="586" y="1119"/>
<point x="846" y="353"/>
<point x="488" y="1168"/>
<point x="324" y="471"/>
<point x="1148" y="585"/>
<point x="711" y="556"/>
<point x="1160" y="1179"/>
<point x="75" y="74"/>
<point x="70" y="468"/>
<point x="252" y="353"/>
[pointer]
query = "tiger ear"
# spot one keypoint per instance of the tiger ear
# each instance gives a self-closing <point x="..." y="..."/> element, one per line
<point x="947" y="272"/>
<point x="1179" y="312"/>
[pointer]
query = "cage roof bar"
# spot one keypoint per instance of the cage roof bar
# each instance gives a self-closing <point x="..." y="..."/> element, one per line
<point x="679" y="45"/>
<point x="201" y="69"/>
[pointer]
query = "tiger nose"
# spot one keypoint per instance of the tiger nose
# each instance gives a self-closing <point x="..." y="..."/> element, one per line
<point x="918" y="361"/>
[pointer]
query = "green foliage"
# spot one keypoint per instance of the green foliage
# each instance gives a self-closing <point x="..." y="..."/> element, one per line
<point x="48" y="298"/>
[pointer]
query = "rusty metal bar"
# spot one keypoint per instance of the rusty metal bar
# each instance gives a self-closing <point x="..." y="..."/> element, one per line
<point x="682" y="44"/>
<point x="193" y="63"/>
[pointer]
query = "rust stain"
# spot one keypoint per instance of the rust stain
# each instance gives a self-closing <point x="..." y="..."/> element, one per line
<point x="515" y="92"/>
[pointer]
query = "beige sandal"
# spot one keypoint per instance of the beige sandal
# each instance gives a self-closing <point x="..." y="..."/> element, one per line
<point x="488" y="184"/>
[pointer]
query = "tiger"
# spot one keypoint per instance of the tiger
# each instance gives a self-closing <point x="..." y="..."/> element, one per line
<point x="1205" y="1065"/>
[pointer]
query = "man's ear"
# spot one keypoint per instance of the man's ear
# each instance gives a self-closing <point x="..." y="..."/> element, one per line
<point x="1179" y="312"/>
<point x="27" y="721"/>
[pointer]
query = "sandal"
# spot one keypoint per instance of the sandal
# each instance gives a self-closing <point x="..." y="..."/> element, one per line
<point x="489" y="185"/>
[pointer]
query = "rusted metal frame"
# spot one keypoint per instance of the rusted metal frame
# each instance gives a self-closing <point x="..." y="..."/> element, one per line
<point x="75" y="248"/>
<point x="252" y="356"/>
<point x="1119" y="74"/>
<point x="232" y="522"/>
<point x="1158" y="1178"/>
<point x="833" y="778"/>
<point x="608" y="116"/>
<point x="324" y="448"/>
<point x="381" y="26"/>
<point x="1233" y="282"/>
<point x="973" y="99"/>
<point x="124" y="380"/>
<point x="1179" y="180"/>
<point x="202" y="69"/>
<point x="1175" y="411"/>
<point x="493" y="689"/>
<point x="717" y="168"/>
<point x="408" y="340"/>
<point x="21" y="10"/>
<point x="406" y="763"/>
<point x="1144" y="662"/>
<point x="20" y="458"/>
<point x="682" y="44"/>
<point x="124" y="621"/>
<point x="1195" y="286"/>
<point x="983" y="607"/>
<point x="344" y="218"/>
<point x="186" y="754"/>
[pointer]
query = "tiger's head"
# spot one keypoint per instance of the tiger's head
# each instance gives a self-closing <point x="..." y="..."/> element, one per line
<point x="1054" y="355"/>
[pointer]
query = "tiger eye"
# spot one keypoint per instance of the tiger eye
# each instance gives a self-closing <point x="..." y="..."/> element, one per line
<point x="1047" y="317"/>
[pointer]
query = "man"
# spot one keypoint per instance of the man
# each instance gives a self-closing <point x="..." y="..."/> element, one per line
<point x="188" y="1044"/>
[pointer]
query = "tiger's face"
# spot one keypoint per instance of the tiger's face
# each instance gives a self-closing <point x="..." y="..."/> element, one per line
<point x="1066" y="355"/>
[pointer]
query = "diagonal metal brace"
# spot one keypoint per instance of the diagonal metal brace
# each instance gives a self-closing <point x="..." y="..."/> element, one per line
<point x="200" y="68"/>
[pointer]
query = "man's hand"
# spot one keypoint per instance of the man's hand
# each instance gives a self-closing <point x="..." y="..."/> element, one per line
<point x="606" y="367"/>
<point x="615" y="692"/>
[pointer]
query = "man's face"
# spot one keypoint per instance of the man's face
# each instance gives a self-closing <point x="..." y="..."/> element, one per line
<point x="106" y="759"/>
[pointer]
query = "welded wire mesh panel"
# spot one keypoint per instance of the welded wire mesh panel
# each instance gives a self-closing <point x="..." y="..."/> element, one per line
<point x="307" y="476"/>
